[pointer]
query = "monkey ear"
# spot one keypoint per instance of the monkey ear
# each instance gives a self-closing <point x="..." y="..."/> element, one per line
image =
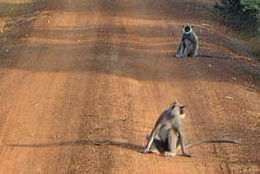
<point x="173" y="105"/>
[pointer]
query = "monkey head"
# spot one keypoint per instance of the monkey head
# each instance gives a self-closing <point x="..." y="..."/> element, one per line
<point x="187" y="28"/>
<point x="177" y="109"/>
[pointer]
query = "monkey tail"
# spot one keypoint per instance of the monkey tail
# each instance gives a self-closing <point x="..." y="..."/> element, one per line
<point x="211" y="141"/>
<point x="214" y="56"/>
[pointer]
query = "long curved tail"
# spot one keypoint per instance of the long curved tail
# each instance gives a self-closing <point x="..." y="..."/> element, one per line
<point x="214" y="56"/>
<point x="211" y="141"/>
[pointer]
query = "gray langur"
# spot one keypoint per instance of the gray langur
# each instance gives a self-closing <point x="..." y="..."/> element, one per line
<point x="167" y="135"/>
<point x="189" y="43"/>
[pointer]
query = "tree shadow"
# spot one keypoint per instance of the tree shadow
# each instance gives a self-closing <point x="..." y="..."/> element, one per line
<point x="157" y="9"/>
<point x="125" y="145"/>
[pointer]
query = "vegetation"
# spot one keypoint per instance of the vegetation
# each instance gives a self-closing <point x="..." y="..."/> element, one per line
<point x="17" y="9"/>
<point x="240" y="14"/>
<point x="15" y="22"/>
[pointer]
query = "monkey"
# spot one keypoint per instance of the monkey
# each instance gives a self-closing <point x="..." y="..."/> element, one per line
<point x="189" y="43"/>
<point x="167" y="134"/>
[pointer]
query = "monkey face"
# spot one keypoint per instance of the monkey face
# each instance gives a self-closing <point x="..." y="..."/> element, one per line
<point x="187" y="28"/>
<point x="181" y="110"/>
<point x="178" y="109"/>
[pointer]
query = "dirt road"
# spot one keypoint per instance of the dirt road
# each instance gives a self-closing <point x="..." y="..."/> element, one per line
<point x="103" y="70"/>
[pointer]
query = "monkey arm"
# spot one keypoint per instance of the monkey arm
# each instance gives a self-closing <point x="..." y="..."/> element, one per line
<point x="182" y="143"/>
<point x="194" y="38"/>
<point x="153" y="134"/>
<point x="187" y="49"/>
<point x="180" y="49"/>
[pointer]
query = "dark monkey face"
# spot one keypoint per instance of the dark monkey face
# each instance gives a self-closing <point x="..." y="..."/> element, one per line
<point x="182" y="109"/>
<point x="187" y="28"/>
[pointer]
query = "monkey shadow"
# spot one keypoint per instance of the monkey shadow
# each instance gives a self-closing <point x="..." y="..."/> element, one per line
<point x="130" y="146"/>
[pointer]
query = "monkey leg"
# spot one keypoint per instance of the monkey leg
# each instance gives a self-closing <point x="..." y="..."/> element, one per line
<point x="193" y="51"/>
<point x="178" y="145"/>
<point x="172" y="143"/>
<point x="196" y="52"/>
<point x="157" y="145"/>
<point x="188" y="50"/>
<point x="180" y="50"/>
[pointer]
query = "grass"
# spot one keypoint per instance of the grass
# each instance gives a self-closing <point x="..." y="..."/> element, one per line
<point x="18" y="9"/>
<point x="17" y="19"/>
<point x="254" y="43"/>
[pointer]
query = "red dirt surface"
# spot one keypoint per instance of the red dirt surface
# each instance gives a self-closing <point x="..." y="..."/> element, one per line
<point x="103" y="70"/>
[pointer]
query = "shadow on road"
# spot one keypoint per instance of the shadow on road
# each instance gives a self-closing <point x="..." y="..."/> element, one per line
<point x="125" y="145"/>
<point x="132" y="46"/>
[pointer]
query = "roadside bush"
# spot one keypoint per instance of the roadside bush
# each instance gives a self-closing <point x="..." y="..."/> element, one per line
<point x="240" y="14"/>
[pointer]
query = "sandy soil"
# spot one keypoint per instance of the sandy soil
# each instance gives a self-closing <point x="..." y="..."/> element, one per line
<point x="103" y="70"/>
